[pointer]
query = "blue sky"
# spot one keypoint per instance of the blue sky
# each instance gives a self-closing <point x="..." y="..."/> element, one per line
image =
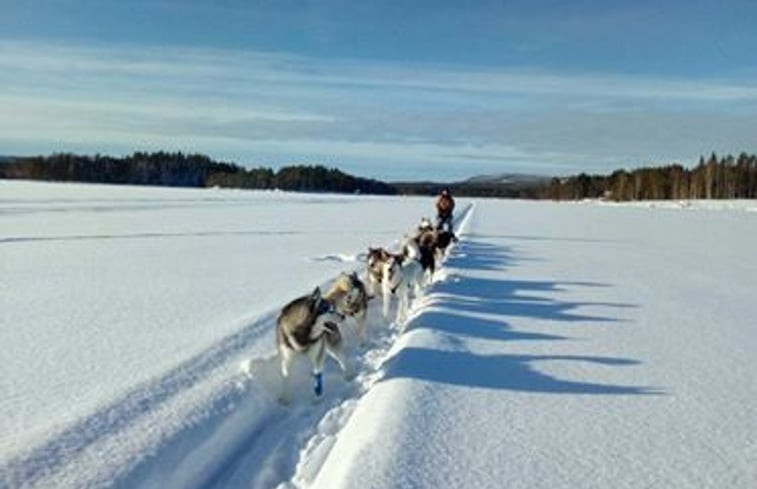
<point x="394" y="90"/>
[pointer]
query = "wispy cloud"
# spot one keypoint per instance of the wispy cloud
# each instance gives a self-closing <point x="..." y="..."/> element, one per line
<point x="253" y="106"/>
<point x="238" y="67"/>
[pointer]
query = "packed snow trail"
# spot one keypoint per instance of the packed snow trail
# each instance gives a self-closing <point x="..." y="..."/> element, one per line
<point x="561" y="354"/>
<point x="261" y="444"/>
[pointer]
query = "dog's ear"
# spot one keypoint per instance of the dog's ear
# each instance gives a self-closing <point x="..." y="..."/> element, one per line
<point x="316" y="295"/>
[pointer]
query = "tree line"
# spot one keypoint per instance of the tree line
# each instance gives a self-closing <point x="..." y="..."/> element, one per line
<point x="727" y="177"/>
<point x="714" y="178"/>
<point x="186" y="170"/>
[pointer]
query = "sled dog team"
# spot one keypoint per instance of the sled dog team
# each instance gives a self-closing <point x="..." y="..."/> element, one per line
<point x="310" y="324"/>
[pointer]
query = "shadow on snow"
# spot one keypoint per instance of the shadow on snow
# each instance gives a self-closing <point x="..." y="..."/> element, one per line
<point x="511" y="372"/>
<point x="456" y="325"/>
<point x="455" y="307"/>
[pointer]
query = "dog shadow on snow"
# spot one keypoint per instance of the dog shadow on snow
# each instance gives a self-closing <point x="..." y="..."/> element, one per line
<point x="522" y="298"/>
<point x="512" y="298"/>
<point x="467" y="306"/>
<point x="510" y="372"/>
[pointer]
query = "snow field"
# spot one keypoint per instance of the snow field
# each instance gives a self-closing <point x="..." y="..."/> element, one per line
<point x="193" y="423"/>
<point x="562" y="345"/>
<point x="138" y="306"/>
<point x="570" y="346"/>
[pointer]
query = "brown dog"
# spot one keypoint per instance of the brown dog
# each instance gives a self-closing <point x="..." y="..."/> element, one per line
<point x="375" y="261"/>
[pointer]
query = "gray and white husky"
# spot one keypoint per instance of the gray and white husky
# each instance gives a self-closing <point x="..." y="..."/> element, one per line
<point x="425" y="225"/>
<point x="350" y="298"/>
<point x="401" y="276"/>
<point x="309" y="325"/>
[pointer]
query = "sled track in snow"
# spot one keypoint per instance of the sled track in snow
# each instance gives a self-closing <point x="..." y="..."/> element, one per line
<point x="208" y="421"/>
<point x="135" y="407"/>
<point x="288" y="450"/>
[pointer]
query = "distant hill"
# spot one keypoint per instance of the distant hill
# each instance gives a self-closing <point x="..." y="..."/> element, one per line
<point x="506" y="185"/>
<point x="507" y="179"/>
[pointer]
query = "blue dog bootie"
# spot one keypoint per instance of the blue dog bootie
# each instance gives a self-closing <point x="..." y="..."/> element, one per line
<point x="318" y="384"/>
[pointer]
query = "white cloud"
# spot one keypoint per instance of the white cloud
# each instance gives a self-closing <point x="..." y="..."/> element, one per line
<point x="246" y="105"/>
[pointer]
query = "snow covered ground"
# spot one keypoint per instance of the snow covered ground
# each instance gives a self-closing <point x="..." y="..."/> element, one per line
<point x="126" y="310"/>
<point x="562" y="346"/>
<point x="571" y="346"/>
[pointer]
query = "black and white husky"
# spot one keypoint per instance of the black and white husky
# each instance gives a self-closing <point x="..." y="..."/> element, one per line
<point x="309" y="325"/>
<point x="417" y="249"/>
<point x="350" y="298"/>
<point x="401" y="276"/>
<point x="442" y="242"/>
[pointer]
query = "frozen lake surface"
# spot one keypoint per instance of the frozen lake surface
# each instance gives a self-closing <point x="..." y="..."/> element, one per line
<point x="562" y="345"/>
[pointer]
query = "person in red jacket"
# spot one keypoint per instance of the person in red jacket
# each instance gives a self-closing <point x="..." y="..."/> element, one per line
<point x="445" y="204"/>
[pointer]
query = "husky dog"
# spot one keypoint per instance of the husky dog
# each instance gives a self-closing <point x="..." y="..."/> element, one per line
<point x="350" y="299"/>
<point x="427" y="239"/>
<point x="442" y="242"/>
<point x="400" y="275"/>
<point x="309" y="325"/>
<point x="425" y="225"/>
<point x="375" y="268"/>
<point x="412" y="249"/>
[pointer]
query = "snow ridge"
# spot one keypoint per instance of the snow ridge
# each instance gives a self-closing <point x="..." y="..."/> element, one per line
<point x="373" y="368"/>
